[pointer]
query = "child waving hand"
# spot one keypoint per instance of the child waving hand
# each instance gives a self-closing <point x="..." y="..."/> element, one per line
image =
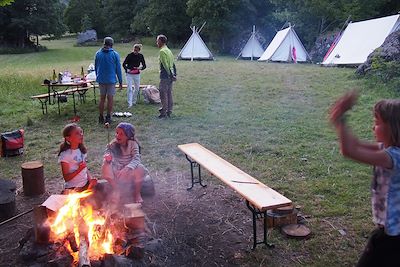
<point x="384" y="155"/>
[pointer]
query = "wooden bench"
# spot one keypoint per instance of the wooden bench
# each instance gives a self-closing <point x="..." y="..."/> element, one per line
<point x="259" y="197"/>
<point x="44" y="98"/>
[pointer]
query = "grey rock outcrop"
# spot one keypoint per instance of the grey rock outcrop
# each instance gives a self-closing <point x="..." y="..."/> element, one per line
<point x="388" y="51"/>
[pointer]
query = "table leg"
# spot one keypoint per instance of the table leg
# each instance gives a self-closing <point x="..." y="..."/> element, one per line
<point x="73" y="98"/>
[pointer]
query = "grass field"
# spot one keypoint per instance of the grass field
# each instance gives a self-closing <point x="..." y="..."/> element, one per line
<point x="268" y="119"/>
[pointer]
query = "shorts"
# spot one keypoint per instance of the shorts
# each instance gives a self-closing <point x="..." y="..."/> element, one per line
<point x="107" y="89"/>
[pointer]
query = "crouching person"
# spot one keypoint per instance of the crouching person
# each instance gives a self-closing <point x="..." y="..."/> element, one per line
<point x="122" y="167"/>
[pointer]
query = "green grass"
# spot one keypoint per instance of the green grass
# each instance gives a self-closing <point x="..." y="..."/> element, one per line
<point x="268" y="119"/>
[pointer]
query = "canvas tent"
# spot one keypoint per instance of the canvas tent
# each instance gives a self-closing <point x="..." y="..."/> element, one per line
<point x="195" y="48"/>
<point x="285" y="47"/>
<point x="253" y="48"/>
<point x="360" y="39"/>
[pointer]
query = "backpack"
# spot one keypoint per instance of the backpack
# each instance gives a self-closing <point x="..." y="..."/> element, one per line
<point x="12" y="143"/>
<point x="151" y="95"/>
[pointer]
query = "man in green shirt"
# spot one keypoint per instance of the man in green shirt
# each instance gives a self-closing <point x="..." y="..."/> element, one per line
<point x="167" y="76"/>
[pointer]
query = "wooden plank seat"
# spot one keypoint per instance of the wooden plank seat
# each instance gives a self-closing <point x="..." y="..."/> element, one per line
<point x="259" y="197"/>
<point x="44" y="98"/>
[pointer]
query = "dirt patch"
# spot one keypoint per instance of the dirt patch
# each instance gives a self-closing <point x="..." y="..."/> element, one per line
<point x="203" y="227"/>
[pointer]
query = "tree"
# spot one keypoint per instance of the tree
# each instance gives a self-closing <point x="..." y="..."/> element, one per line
<point x="163" y="17"/>
<point x="120" y="15"/>
<point x="86" y="23"/>
<point x="25" y="18"/>
<point x="315" y="17"/>
<point x="77" y="10"/>
<point x="228" y="19"/>
<point x="5" y="2"/>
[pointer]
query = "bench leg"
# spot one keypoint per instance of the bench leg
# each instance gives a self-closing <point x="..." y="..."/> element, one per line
<point x="194" y="164"/>
<point x="44" y="105"/>
<point x="263" y="214"/>
<point x="73" y="98"/>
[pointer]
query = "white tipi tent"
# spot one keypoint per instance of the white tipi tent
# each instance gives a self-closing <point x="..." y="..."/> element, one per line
<point x="253" y="48"/>
<point x="360" y="39"/>
<point x="195" y="48"/>
<point x="285" y="47"/>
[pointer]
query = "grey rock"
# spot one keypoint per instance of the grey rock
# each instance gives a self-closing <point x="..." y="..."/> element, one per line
<point x="388" y="51"/>
<point x="87" y="36"/>
<point x="148" y="189"/>
<point x="154" y="245"/>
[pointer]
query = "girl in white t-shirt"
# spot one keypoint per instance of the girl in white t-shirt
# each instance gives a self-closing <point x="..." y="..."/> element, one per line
<point x="72" y="157"/>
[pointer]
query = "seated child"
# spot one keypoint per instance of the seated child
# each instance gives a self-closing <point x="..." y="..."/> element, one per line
<point x="72" y="157"/>
<point x="122" y="166"/>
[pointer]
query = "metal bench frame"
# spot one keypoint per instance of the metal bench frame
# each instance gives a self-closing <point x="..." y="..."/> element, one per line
<point x="256" y="213"/>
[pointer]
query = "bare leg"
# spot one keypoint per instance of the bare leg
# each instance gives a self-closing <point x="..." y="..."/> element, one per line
<point x="138" y="174"/>
<point x="101" y="104"/>
<point x="110" y="100"/>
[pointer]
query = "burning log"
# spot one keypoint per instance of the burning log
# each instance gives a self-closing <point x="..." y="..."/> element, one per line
<point x="72" y="242"/>
<point x="84" y="260"/>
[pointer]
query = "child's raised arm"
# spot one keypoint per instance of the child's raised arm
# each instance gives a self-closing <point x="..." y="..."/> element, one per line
<point x="350" y="145"/>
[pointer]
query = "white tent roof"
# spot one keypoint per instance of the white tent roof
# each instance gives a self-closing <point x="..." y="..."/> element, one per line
<point x="253" y="48"/>
<point x="360" y="39"/>
<point x="195" y="48"/>
<point x="286" y="46"/>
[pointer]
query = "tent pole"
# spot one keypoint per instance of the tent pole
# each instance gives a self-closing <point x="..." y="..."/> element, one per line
<point x="194" y="30"/>
<point x="253" y="37"/>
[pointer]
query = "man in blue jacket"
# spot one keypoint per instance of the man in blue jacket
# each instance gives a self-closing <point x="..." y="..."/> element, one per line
<point x="107" y="66"/>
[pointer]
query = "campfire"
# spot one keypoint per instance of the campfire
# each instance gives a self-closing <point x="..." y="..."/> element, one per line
<point x="80" y="229"/>
<point x="87" y="231"/>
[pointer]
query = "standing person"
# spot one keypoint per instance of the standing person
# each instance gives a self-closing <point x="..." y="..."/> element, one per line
<point x="72" y="157"/>
<point x="384" y="155"/>
<point x="167" y="76"/>
<point x="107" y="66"/>
<point x="133" y="64"/>
<point x="122" y="166"/>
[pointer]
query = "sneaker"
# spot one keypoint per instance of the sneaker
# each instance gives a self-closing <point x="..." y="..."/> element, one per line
<point x="162" y="116"/>
<point x="169" y="114"/>
<point x="101" y="119"/>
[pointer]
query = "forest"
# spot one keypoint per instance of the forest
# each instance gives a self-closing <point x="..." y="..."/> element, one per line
<point x="227" y="22"/>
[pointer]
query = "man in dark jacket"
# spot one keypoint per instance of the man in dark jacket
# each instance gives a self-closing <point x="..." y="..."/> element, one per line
<point x="107" y="66"/>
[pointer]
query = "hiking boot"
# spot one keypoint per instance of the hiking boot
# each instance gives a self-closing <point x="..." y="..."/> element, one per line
<point x="101" y="119"/>
<point x="108" y="119"/>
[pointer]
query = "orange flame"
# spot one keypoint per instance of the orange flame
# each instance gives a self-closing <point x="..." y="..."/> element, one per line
<point x="81" y="219"/>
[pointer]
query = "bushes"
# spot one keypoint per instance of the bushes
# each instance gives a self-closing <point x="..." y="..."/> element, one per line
<point x="387" y="72"/>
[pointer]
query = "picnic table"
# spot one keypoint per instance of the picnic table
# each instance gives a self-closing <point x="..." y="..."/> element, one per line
<point x="56" y="90"/>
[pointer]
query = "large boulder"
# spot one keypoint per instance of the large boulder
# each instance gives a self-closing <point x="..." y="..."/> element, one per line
<point x="321" y="46"/>
<point x="388" y="51"/>
<point x="87" y="36"/>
